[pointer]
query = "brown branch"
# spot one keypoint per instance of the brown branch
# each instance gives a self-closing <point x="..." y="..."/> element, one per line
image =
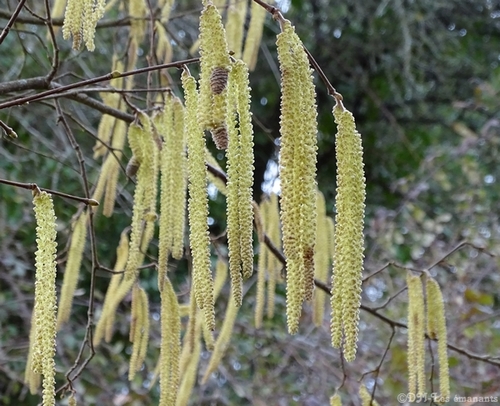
<point x="103" y="78"/>
<point x="33" y="186"/>
<point x="8" y="130"/>
<point x="12" y="20"/>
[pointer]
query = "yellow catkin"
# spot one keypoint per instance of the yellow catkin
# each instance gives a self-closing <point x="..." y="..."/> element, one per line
<point x="366" y="397"/>
<point x="135" y="330"/>
<point x="137" y="10"/>
<point x="31" y="378"/>
<point x="80" y="20"/>
<point x="198" y="204"/>
<point x="164" y="49"/>
<point x="110" y="133"/>
<point x="239" y="77"/>
<point x="321" y="260"/>
<point x="166" y="8"/>
<point x="240" y="181"/>
<point x="254" y="35"/>
<point x="223" y="340"/>
<point x="57" y="11"/>
<point x="235" y="25"/>
<point x="143" y="217"/>
<point x="139" y="331"/>
<point x="335" y="400"/>
<point x="191" y="370"/>
<point x="416" y="335"/>
<point x="436" y="329"/>
<point x="118" y="142"/>
<point x="349" y="241"/>
<point x="298" y="128"/>
<point x="166" y="128"/>
<point x="189" y="339"/>
<point x="273" y="265"/>
<point x="45" y="295"/>
<point x="105" y="324"/>
<point x="260" y="220"/>
<point x="143" y="347"/>
<point x="179" y="178"/>
<point x="105" y="130"/>
<point x="72" y="400"/>
<point x="170" y="345"/>
<point x="214" y="68"/>
<point x="220" y="278"/>
<point x="232" y="210"/>
<point x="72" y="271"/>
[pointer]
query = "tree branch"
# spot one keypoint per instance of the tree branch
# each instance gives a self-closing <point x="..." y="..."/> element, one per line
<point x="33" y="186"/>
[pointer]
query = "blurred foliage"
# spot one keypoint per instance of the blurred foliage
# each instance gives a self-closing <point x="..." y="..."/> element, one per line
<point x="422" y="80"/>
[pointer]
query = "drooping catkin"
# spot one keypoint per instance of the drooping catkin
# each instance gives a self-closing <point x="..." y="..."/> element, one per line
<point x="235" y="25"/>
<point x="254" y="35"/>
<point x="191" y="369"/>
<point x="166" y="127"/>
<point x="188" y="340"/>
<point x="137" y="10"/>
<point x="170" y="345"/>
<point x="45" y="295"/>
<point x="117" y="144"/>
<point x="164" y="49"/>
<point x="349" y="241"/>
<point x="80" y="20"/>
<point x="366" y="397"/>
<point x="166" y="8"/>
<point x="143" y="217"/>
<point x="321" y="260"/>
<point x="335" y="400"/>
<point x="105" y="130"/>
<point x="239" y="181"/>
<point x="72" y="271"/>
<point x="416" y="335"/>
<point x="223" y="340"/>
<point x="31" y="378"/>
<point x="260" y="220"/>
<point x="214" y="70"/>
<point x="180" y="179"/>
<point x="297" y="170"/>
<point x="139" y="329"/>
<point x="198" y="204"/>
<point x="436" y="329"/>
<point x="273" y="265"/>
<point x="72" y="400"/>
<point x="239" y="78"/>
<point x="104" y="326"/>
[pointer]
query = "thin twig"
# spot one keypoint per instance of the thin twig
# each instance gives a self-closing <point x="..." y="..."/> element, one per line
<point x="103" y="78"/>
<point x="276" y="13"/>
<point x="12" y="20"/>
<point x="33" y="186"/>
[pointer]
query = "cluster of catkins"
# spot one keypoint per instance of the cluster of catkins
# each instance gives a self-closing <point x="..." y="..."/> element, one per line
<point x="171" y="146"/>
